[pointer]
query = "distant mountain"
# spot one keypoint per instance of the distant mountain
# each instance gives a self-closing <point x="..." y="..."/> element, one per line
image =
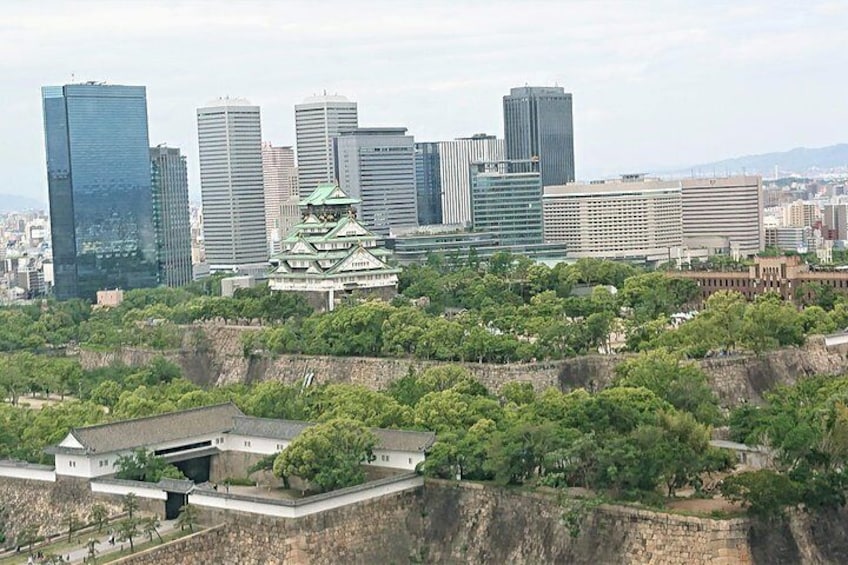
<point x="17" y="203"/>
<point x="801" y="160"/>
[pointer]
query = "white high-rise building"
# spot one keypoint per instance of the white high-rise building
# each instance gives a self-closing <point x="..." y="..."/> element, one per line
<point x="455" y="167"/>
<point x="722" y="214"/>
<point x="280" y="191"/>
<point x="231" y="185"/>
<point x="317" y="121"/>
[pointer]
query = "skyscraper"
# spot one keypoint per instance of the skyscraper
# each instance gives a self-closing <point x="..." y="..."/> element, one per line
<point x="428" y="183"/>
<point x="507" y="203"/>
<point x="317" y="121"/>
<point x="455" y="158"/>
<point x="171" y="215"/>
<point x="377" y="166"/>
<point x="278" y="172"/>
<point x="538" y="122"/>
<point x="98" y="175"/>
<point x="231" y="186"/>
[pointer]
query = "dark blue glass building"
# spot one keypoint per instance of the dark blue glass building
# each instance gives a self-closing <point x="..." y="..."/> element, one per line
<point x="99" y="179"/>
<point x="428" y="183"/>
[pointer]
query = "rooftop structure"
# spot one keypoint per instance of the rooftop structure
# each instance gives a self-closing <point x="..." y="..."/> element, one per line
<point x="330" y="253"/>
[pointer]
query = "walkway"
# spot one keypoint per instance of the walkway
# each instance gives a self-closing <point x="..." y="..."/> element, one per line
<point x="103" y="547"/>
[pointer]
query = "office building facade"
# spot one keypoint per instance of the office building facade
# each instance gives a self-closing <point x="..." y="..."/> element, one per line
<point x="377" y="166"/>
<point x="171" y="215"/>
<point x="835" y="221"/>
<point x="724" y="215"/>
<point x="99" y="181"/>
<point x="318" y="120"/>
<point x="428" y="183"/>
<point x="231" y="186"/>
<point x="538" y="122"/>
<point x="633" y="218"/>
<point x="508" y="204"/>
<point x="280" y="181"/>
<point x="455" y="158"/>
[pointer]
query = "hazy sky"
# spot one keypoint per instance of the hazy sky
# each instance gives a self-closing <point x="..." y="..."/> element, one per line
<point x="655" y="83"/>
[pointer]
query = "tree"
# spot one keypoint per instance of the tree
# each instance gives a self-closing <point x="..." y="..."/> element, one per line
<point x="765" y="493"/>
<point x="27" y="536"/>
<point x="769" y="323"/>
<point x="360" y="403"/>
<point x="128" y="530"/>
<point x="149" y="526"/>
<point x="187" y="518"/>
<point x="143" y="465"/>
<point x="99" y="515"/>
<point x="328" y="455"/>
<point x="682" y="385"/>
<point x="130" y="504"/>
<point x="72" y="522"/>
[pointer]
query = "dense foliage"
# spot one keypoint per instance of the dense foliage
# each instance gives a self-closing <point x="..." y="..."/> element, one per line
<point x="806" y="425"/>
<point x="507" y="310"/>
<point x="328" y="455"/>
<point x="626" y="440"/>
<point x="145" y="466"/>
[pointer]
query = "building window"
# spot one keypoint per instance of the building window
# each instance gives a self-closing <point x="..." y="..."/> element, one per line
<point x="410" y="460"/>
<point x="247" y="443"/>
<point x="72" y="463"/>
<point x="384" y="458"/>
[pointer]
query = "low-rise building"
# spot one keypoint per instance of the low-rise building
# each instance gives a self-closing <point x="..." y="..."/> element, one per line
<point x="208" y="442"/>
<point x="782" y="275"/>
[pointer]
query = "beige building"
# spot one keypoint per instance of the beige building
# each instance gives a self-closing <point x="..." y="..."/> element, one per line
<point x="280" y="184"/>
<point x="801" y="214"/>
<point x="632" y="218"/>
<point x="724" y="214"/>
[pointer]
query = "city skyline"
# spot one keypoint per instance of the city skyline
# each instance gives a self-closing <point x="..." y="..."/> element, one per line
<point x="644" y="97"/>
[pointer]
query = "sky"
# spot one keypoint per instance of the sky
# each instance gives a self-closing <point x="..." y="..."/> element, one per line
<point x="656" y="84"/>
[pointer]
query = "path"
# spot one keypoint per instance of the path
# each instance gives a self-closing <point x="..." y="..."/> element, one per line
<point x="103" y="548"/>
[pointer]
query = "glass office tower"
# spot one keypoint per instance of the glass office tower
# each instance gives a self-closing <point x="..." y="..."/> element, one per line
<point x="538" y="123"/>
<point x="506" y="203"/>
<point x="98" y="175"/>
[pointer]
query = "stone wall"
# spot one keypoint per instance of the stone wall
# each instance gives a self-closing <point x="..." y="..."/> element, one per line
<point x="377" y="531"/>
<point x="27" y="502"/>
<point x="468" y="523"/>
<point x="213" y="354"/>
<point x="450" y="523"/>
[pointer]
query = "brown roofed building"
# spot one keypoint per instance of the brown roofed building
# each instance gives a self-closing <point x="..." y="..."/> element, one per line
<point x="783" y="275"/>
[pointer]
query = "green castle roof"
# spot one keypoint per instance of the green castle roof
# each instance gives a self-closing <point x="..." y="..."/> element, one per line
<point x="328" y="194"/>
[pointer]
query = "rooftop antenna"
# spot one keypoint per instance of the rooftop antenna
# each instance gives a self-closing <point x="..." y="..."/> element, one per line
<point x="73" y="77"/>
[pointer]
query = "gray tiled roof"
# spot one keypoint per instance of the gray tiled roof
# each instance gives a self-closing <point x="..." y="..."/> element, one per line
<point x="268" y="428"/>
<point x="395" y="440"/>
<point x="402" y="440"/>
<point x="152" y="430"/>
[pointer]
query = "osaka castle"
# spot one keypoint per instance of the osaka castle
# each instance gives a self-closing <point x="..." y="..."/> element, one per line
<point x="330" y="254"/>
